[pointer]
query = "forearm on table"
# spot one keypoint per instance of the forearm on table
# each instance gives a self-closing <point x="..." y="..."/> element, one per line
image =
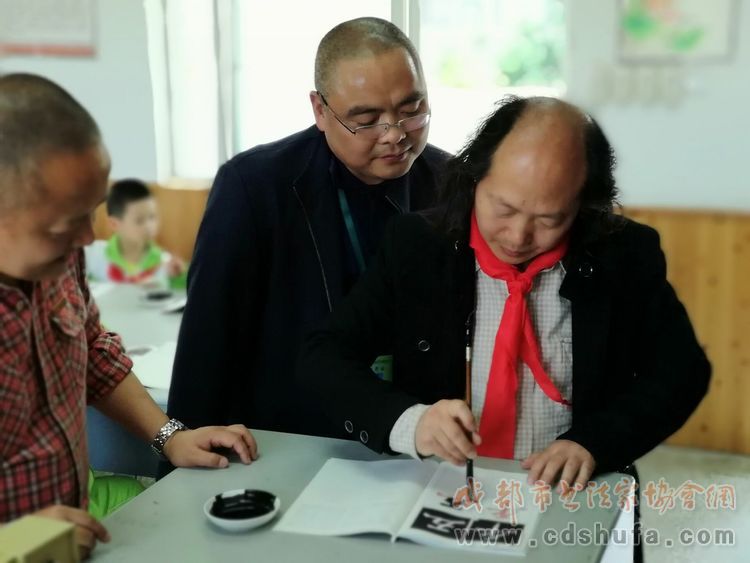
<point x="132" y="407"/>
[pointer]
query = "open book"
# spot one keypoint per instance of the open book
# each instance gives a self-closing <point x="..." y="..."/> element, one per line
<point x="418" y="501"/>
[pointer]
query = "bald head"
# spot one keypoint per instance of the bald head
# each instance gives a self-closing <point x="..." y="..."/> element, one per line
<point x="358" y="38"/>
<point x="541" y="116"/>
<point x="38" y="118"/>
<point x="548" y="141"/>
<point x="549" y="138"/>
<point x="558" y="131"/>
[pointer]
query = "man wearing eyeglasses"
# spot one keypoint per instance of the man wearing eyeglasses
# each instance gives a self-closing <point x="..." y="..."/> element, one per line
<point x="290" y="226"/>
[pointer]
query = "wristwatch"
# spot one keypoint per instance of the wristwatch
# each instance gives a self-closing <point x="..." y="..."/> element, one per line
<point x="164" y="434"/>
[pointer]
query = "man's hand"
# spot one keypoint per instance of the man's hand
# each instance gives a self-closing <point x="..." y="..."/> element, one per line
<point x="192" y="448"/>
<point x="569" y="461"/>
<point x="88" y="530"/>
<point x="444" y="430"/>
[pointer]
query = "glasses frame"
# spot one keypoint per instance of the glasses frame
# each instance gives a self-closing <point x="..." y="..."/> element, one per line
<point x="385" y="126"/>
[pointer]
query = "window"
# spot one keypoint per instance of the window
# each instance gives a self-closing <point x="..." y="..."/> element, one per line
<point x="479" y="50"/>
<point x="275" y="57"/>
<point x="230" y="74"/>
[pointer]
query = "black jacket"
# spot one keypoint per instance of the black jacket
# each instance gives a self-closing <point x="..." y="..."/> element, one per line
<point x="638" y="371"/>
<point x="268" y="266"/>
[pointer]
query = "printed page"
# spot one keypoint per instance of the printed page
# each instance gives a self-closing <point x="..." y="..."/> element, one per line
<point x="500" y="520"/>
<point x="354" y="497"/>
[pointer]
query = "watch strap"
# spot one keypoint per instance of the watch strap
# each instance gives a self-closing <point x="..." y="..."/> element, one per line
<point x="165" y="433"/>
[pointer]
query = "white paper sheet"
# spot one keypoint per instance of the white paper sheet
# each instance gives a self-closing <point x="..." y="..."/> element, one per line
<point x="412" y="500"/>
<point x="354" y="497"/>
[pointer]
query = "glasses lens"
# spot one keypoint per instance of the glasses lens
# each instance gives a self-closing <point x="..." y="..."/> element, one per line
<point x="373" y="132"/>
<point x="416" y="122"/>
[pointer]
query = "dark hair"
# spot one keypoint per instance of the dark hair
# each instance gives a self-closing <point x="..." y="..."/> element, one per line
<point x="124" y="192"/>
<point x="470" y="165"/>
<point x="37" y="118"/>
<point x="356" y="38"/>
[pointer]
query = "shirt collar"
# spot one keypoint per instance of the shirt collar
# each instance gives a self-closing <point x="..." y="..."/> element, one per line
<point x="552" y="268"/>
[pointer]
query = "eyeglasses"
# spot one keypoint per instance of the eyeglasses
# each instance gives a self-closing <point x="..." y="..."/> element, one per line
<point x="378" y="130"/>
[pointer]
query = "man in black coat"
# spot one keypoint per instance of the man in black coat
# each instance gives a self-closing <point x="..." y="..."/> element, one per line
<point x="290" y="225"/>
<point x="616" y="344"/>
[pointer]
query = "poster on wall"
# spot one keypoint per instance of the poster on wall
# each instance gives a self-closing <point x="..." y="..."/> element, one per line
<point x="676" y="31"/>
<point x="61" y="28"/>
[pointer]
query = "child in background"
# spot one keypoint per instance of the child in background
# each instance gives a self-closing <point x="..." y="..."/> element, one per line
<point x="130" y="255"/>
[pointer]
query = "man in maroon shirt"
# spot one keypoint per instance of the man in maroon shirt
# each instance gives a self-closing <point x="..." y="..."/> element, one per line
<point x="55" y="357"/>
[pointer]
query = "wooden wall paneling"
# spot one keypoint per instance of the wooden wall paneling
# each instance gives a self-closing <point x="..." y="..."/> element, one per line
<point x="101" y="228"/>
<point x="708" y="258"/>
<point x="181" y="211"/>
<point x="739" y="345"/>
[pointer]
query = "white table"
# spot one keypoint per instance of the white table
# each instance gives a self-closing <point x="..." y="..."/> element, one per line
<point x="122" y="310"/>
<point x="166" y="522"/>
